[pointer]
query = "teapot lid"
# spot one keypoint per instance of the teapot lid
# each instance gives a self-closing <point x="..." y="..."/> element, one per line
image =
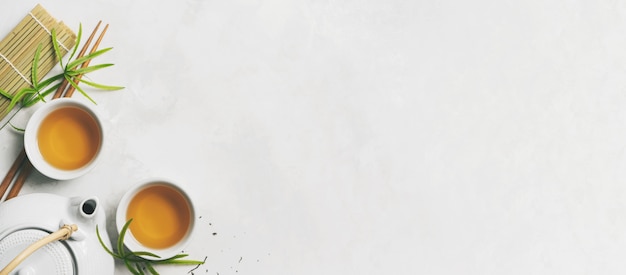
<point x="53" y="258"/>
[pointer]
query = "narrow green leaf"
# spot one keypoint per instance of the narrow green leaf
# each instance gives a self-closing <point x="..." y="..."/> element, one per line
<point x="140" y="269"/>
<point x="131" y="268"/>
<point x="104" y="246"/>
<point x="69" y="80"/>
<point x="51" y="89"/>
<point x="90" y="56"/>
<point x="151" y="269"/>
<point x="38" y="95"/>
<point x="145" y="253"/>
<point x="100" y="86"/>
<point x="19" y="96"/>
<point x="57" y="51"/>
<point x="120" y="240"/>
<point x="31" y="97"/>
<point x="133" y="261"/>
<point x="16" y="128"/>
<point x="88" y="69"/>
<point x="49" y="80"/>
<point x="78" y="36"/>
<point x="179" y="256"/>
<point x="132" y="258"/>
<point x="5" y="94"/>
<point x="34" y="68"/>
<point x="182" y="262"/>
<point x="30" y="100"/>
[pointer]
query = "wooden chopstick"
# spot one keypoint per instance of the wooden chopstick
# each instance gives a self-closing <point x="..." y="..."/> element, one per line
<point x="21" y="166"/>
<point x="27" y="167"/>
<point x="6" y="182"/>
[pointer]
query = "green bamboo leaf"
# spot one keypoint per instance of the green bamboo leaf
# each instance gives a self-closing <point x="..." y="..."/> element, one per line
<point x="173" y="258"/>
<point x="182" y="262"/>
<point x="140" y="269"/>
<point x="104" y="246"/>
<point x="100" y="86"/>
<point x="50" y="80"/>
<point x="57" y="51"/>
<point x="51" y="89"/>
<point x="38" y="94"/>
<point x="19" y="97"/>
<point x="16" y="128"/>
<point x="21" y="93"/>
<point x="90" y="56"/>
<point x="34" y="68"/>
<point x="131" y="268"/>
<point x="151" y="269"/>
<point x="69" y="80"/>
<point x="88" y="69"/>
<point x="120" y="240"/>
<point x="5" y="94"/>
<point x="78" y="36"/>
<point x="145" y="253"/>
<point x="136" y="264"/>
<point x="30" y="100"/>
<point x="132" y="258"/>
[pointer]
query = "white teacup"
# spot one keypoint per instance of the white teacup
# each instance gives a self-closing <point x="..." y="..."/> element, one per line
<point x="63" y="138"/>
<point x="163" y="217"/>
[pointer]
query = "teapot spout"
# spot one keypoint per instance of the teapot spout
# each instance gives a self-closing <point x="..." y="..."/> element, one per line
<point x="86" y="217"/>
<point x="88" y="207"/>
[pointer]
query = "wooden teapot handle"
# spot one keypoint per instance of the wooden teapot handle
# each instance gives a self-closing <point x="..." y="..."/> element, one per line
<point x="62" y="234"/>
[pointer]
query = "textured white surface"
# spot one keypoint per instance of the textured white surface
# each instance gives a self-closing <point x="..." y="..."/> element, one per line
<point x="368" y="137"/>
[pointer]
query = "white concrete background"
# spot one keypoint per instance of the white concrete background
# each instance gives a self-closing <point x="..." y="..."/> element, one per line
<point x="367" y="137"/>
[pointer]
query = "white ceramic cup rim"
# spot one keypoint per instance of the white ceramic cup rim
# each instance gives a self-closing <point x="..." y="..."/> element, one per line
<point x="129" y="240"/>
<point x="31" y="144"/>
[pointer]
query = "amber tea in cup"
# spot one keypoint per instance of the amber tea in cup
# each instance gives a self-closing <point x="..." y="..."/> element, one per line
<point x="162" y="217"/>
<point x="68" y="138"/>
<point x="63" y="138"/>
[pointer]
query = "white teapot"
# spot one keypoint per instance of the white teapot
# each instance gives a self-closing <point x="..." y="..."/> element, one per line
<point x="28" y="218"/>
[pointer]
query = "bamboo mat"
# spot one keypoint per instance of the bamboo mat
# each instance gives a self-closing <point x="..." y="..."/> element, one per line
<point x="18" y="48"/>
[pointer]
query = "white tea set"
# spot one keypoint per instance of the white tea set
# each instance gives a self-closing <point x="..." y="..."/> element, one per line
<point x="44" y="233"/>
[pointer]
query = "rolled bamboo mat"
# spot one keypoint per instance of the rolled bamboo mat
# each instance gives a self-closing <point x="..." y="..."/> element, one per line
<point x="18" y="48"/>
